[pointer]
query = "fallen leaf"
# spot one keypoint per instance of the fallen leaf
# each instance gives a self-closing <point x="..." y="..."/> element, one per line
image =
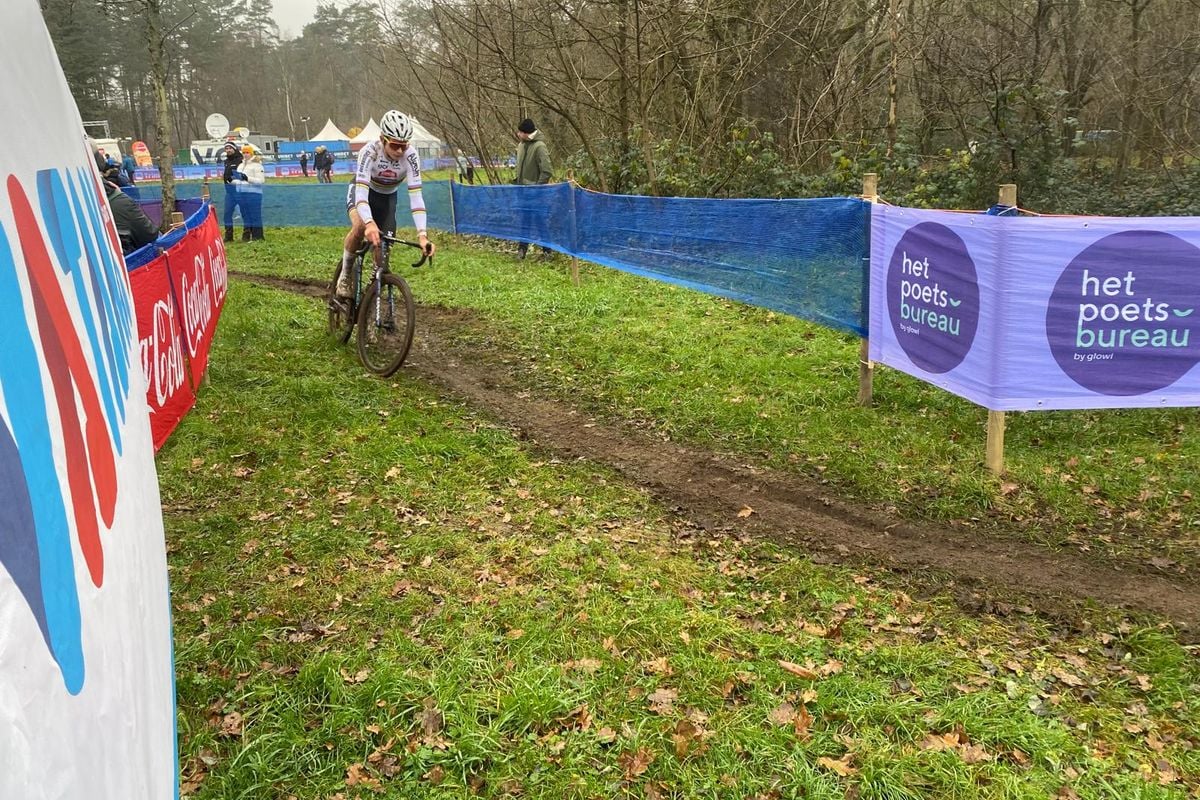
<point x="356" y="774"/>
<point x="830" y="667"/>
<point x="783" y="714"/>
<point x="685" y="734"/>
<point x="801" y="723"/>
<point x="515" y="633"/>
<point x="657" y="666"/>
<point x="940" y="741"/>
<point x="1166" y="772"/>
<point x="1067" y="678"/>
<point x="808" y="673"/>
<point x="974" y="754"/>
<point x="580" y="717"/>
<point x="231" y="724"/>
<point x="840" y="766"/>
<point x="635" y="764"/>
<point x="432" y="720"/>
<point x="745" y="512"/>
<point x="662" y="701"/>
<point x="606" y="735"/>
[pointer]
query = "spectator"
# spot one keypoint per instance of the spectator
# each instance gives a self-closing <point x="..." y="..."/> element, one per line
<point x="233" y="160"/>
<point x="134" y="228"/>
<point x="304" y="163"/>
<point x="329" y="167"/>
<point x="466" y="171"/>
<point x="249" y="179"/>
<point x="111" y="171"/>
<point x="533" y="168"/>
<point x="128" y="165"/>
<point x="319" y="163"/>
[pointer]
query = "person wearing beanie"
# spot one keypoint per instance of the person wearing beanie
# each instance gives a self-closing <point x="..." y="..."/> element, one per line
<point x="232" y="159"/>
<point x="533" y="167"/>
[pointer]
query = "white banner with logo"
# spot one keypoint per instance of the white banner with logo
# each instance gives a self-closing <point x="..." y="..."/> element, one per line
<point x="86" y="672"/>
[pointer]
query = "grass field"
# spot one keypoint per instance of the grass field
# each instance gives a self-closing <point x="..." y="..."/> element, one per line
<point x="746" y="380"/>
<point x="396" y="598"/>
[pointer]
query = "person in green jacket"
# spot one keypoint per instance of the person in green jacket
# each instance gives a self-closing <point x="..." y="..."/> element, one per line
<point x="533" y="167"/>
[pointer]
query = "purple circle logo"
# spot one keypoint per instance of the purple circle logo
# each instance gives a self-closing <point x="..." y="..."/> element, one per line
<point x="1124" y="318"/>
<point x="933" y="297"/>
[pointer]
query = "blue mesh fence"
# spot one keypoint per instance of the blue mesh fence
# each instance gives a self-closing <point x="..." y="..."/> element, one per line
<point x="807" y="258"/>
<point x="542" y="215"/>
<point x="310" y="204"/>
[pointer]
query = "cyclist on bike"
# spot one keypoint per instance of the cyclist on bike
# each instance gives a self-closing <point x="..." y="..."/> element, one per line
<point x="371" y="199"/>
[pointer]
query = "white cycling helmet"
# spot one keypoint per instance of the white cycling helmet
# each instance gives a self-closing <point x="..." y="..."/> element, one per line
<point x="396" y="125"/>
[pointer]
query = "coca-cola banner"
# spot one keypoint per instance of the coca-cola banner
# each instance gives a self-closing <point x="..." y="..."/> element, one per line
<point x="178" y="297"/>
<point x="199" y="275"/>
<point x="169" y="392"/>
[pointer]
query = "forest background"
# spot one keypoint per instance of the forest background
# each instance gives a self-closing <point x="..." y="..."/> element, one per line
<point x="1090" y="106"/>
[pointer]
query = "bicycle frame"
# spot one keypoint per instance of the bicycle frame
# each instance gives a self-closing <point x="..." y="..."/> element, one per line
<point x="380" y="305"/>
<point x="382" y="260"/>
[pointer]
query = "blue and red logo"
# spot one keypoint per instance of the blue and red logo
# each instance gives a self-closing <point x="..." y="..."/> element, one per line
<point x="72" y="273"/>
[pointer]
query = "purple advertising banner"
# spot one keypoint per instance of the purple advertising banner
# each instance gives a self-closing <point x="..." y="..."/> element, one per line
<point x="1028" y="313"/>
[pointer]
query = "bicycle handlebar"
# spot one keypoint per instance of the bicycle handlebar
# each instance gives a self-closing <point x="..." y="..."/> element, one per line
<point x="426" y="252"/>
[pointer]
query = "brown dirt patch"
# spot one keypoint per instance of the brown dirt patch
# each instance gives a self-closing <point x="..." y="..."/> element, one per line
<point x="983" y="571"/>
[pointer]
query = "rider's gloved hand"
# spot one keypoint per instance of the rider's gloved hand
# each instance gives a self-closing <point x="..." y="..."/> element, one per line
<point x="372" y="233"/>
<point x="426" y="246"/>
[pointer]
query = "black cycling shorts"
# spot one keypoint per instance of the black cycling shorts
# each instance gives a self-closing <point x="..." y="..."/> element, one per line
<point x="383" y="207"/>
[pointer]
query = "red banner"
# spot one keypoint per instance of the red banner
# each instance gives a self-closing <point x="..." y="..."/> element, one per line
<point x="178" y="298"/>
<point x="168" y="387"/>
<point x="199" y="277"/>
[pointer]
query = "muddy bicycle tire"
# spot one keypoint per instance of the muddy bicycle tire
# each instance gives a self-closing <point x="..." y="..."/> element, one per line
<point x="341" y="310"/>
<point x="386" y="320"/>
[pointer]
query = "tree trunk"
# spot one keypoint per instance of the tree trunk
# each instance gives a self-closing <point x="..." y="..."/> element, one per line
<point x="163" y="134"/>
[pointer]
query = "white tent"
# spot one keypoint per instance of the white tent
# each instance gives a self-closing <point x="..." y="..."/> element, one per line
<point x="369" y="133"/>
<point x="330" y="133"/>
<point x="428" y="145"/>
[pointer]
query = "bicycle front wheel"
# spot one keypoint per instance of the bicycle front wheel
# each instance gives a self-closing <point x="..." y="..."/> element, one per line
<point x="386" y="320"/>
<point x="341" y="309"/>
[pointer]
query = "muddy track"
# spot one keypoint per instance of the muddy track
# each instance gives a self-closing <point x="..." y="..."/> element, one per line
<point x="710" y="490"/>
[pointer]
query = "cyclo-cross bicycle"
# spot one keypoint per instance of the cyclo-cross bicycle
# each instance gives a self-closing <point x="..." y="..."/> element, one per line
<point x="382" y="306"/>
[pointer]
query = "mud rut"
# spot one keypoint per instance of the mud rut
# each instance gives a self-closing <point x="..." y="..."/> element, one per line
<point x="984" y="573"/>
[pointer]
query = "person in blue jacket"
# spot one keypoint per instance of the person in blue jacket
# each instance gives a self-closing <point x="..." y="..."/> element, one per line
<point x="129" y="165"/>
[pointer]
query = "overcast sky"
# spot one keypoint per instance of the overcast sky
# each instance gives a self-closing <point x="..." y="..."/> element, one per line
<point x="292" y="15"/>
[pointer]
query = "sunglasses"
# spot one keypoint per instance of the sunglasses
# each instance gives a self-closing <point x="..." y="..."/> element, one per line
<point x="401" y="143"/>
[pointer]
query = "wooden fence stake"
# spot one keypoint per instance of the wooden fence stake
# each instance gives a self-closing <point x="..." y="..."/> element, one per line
<point x="866" y="370"/>
<point x="995" y="442"/>
<point x="996" y="420"/>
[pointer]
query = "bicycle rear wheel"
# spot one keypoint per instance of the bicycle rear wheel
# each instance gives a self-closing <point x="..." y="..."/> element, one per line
<point x="386" y="320"/>
<point x="341" y="309"/>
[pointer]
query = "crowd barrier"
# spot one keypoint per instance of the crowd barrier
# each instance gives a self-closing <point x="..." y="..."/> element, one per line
<point x="178" y="284"/>
<point x="289" y="168"/>
<point x="807" y="258"/>
<point x="1011" y="312"/>
<point x="321" y="205"/>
